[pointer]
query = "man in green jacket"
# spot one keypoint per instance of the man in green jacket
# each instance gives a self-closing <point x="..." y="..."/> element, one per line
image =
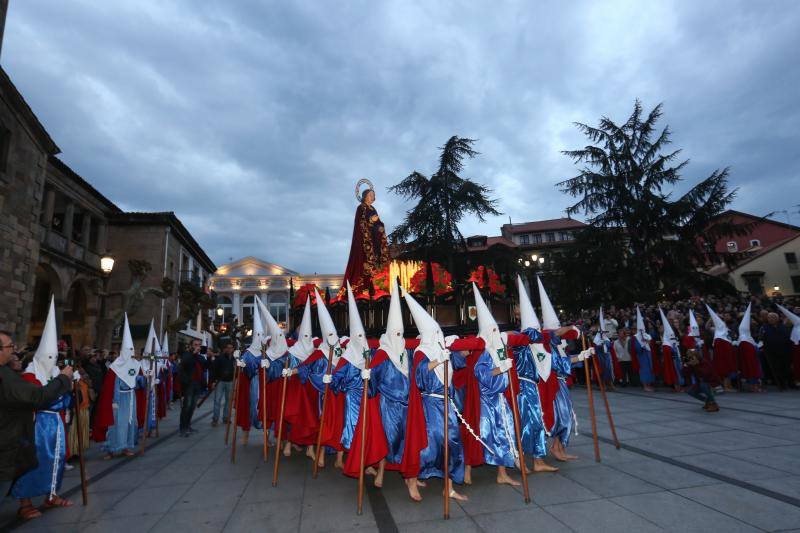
<point x="18" y="400"/>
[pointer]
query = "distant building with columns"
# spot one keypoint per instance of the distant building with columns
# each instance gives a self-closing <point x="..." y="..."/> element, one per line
<point x="237" y="283"/>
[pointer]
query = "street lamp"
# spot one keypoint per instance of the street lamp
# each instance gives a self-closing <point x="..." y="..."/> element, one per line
<point x="106" y="266"/>
<point x="541" y="260"/>
<point x="534" y="257"/>
<point x="220" y="312"/>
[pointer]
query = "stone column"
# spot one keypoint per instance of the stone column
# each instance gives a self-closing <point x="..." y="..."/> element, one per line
<point x="49" y="206"/>
<point x="237" y="306"/>
<point x="69" y="215"/>
<point x="102" y="245"/>
<point x="86" y="231"/>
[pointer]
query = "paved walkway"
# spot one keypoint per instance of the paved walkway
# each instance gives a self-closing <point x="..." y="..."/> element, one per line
<point x="680" y="469"/>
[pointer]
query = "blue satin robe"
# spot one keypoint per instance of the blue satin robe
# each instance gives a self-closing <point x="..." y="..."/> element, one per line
<point x="253" y="363"/>
<point x="534" y="437"/>
<point x="497" y="420"/>
<point x="562" y="405"/>
<point x="603" y="354"/>
<point x="432" y="457"/>
<point x="347" y="380"/>
<point x="122" y="435"/>
<point x="392" y="385"/>
<point x="675" y="361"/>
<point x="645" y="362"/>
<point x="51" y="438"/>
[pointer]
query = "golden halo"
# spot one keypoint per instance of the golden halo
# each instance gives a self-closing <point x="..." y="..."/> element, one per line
<point x="361" y="182"/>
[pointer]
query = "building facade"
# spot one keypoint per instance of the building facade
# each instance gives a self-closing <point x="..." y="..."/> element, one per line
<point x="25" y="148"/>
<point x="236" y="284"/>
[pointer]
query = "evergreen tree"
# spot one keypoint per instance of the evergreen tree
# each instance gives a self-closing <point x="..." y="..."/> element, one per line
<point x="430" y="228"/>
<point x="642" y="242"/>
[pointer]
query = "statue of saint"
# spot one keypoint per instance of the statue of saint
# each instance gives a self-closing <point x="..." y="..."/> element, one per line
<point x="369" y="250"/>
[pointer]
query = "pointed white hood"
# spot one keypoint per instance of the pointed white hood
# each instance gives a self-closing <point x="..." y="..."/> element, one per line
<point x="305" y="342"/>
<point x="354" y="352"/>
<point x="549" y="316"/>
<point x="795" y="335"/>
<point x="44" y="365"/>
<point x="165" y="345"/>
<point x="694" y="329"/>
<point x="744" y="327"/>
<point x="669" y="337"/>
<point x="125" y="366"/>
<point x="601" y="336"/>
<point x="527" y="315"/>
<point x="277" y="338"/>
<point x="259" y="337"/>
<point x="392" y="342"/>
<point x="329" y="335"/>
<point x="720" y="327"/>
<point x="431" y="337"/>
<point x="488" y="329"/>
<point x="151" y="345"/>
<point x="641" y="333"/>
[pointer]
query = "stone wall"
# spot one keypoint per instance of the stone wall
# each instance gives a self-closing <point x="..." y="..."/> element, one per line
<point x="21" y="187"/>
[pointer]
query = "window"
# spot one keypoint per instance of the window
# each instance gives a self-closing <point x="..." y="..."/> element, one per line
<point x="5" y="147"/>
<point x="566" y="236"/>
<point x="537" y="238"/>
<point x="525" y="239"/>
<point x="248" y="306"/>
<point x="755" y="243"/>
<point x="733" y="247"/>
<point x="791" y="260"/>
<point x="796" y="283"/>
<point x="550" y="237"/>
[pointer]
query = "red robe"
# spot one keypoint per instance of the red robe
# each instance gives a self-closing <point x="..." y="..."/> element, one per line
<point x="243" y="401"/>
<point x="473" y="450"/>
<point x="302" y="407"/>
<point x="141" y="405"/>
<point x="104" y="410"/>
<point x="670" y="374"/>
<point x="416" y="429"/>
<point x="656" y="359"/>
<point x="724" y="358"/>
<point x="748" y="358"/>
<point x="375" y="444"/>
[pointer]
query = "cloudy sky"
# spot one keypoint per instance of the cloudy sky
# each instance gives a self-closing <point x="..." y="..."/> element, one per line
<point x="253" y="120"/>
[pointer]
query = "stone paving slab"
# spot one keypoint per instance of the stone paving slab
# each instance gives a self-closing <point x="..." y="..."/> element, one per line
<point x="680" y="469"/>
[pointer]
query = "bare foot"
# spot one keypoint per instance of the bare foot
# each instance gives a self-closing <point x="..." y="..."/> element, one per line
<point x="296" y="448"/>
<point x="504" y="479"/>
<point x="287" y="450"/>
<point x="421" y="484"/>
<point x="310" y="453"/>
<point x="540" y="466"/>
<point x="370" y="471"/>
<point x="468" y="475"/>
<point x="527" y="470"/>
<point x="460" y="497"/>
<point x="378" y="481"/>
<point x="413" y="490"/>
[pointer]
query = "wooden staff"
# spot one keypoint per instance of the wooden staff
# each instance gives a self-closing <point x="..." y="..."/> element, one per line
<point x="605" y="400"/>
<point x="236" y="413"/>
<point x="264" y="409"/>
<point x="322" y="415"/>
<point x="84" y="484"/>
<point x="156" y="401"/>
<point x="446" y="469"/>
<point x="232" y="399"/>
<point x="591" y="403"/>
<point x="147" y="410"/>
<point x="280" y="426"/>
<point x="364" y="413"/>
<point x="518" y="429"/>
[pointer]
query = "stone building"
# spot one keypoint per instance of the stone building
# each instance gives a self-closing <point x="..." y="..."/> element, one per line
<point x="171" y="251"/>
<point x="238" y="282"/>
<point x="25" y="148"/>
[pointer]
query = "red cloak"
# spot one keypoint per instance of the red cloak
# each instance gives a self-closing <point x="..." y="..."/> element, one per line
<point x="375" y="444"/>
<point x="670" y="374"/>
<point x="416" y="428"/>
<point x="104" y="411"/>
<point x="473" y="450"/>
<point x="724" y="358"/>
<point x="748" y="357"/>
<point x="243" y="402"/>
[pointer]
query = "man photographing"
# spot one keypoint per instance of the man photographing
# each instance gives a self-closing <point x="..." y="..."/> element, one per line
<point x="700" y="379"/>
<point x="192" y="366"/>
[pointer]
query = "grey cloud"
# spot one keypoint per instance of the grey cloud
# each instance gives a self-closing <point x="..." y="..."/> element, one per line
<point x="253" y="120"/>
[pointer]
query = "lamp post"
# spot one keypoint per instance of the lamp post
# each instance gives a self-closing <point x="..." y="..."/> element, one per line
<point x="106" y="266"/>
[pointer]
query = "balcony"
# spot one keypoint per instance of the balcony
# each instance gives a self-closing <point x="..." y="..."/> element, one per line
<point x="191" y="277"/>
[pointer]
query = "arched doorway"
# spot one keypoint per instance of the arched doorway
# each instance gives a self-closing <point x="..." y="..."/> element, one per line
<point x="77" y="329"/>
<point x="47" y="285"/>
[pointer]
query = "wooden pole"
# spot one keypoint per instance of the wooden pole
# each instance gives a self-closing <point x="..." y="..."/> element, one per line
<point x="232" y="399"/>
<point x="364" y="414"/>
<point x="146" y="412"/>
<point x="446" y="466"/>
<point x="156" y="399"/>
<point x="280" y="426"/>
<point x="84" y="485"/>
<point x="322" y="415"/>
<point x="264" y="409"/>
<point x="235" y="403"/>
<point x="518" y="428"/>
<point x="591" y="403"/>
<point x="605" y="400"/>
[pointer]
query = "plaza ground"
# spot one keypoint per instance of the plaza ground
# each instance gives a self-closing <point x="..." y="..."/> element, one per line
<point x="680" y="469"/>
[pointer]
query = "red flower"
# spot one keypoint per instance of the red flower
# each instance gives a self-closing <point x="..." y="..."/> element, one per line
<point x="442" y="280"/>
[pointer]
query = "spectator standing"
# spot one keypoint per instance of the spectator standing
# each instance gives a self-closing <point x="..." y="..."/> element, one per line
<point x="192" y="368"/>
<point x="622" y="351"/>
<point x="777" y="351"/>
<point x="222" y="367"/>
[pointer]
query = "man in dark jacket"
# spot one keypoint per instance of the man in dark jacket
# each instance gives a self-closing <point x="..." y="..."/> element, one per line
<point x="192" y="366"/>
<point x="222" y="367"/>
<point x="777" y="351"/>
<point x="18" y="400"/>
<point x="700" y="379"/>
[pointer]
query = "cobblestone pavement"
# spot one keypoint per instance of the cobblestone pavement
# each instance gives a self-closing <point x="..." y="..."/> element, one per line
<point x="679" y="469"/>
